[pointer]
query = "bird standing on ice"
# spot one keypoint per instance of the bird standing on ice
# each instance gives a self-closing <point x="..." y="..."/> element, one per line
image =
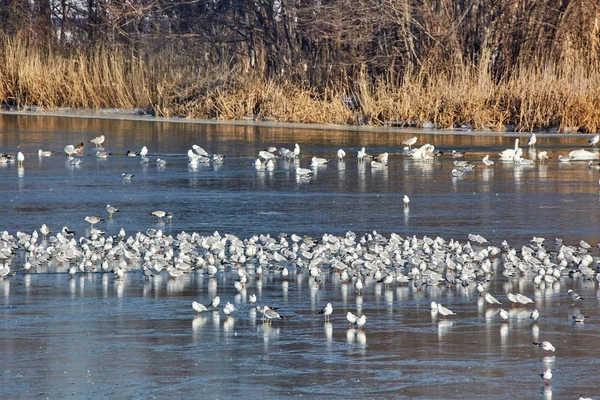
<point x="532" y="140"/>
<point x="406" y="200"/>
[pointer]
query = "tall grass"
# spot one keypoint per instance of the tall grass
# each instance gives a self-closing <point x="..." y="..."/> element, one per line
<point x="534" y="96"/>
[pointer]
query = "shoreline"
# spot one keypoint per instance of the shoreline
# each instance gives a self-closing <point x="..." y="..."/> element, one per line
<point x="133" y="115"/>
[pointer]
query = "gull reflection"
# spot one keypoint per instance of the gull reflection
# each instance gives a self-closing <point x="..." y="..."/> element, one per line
<point x="444" y="327"/>
<point x="197" y="323"/>
<point x="535" y="332"/>
<point x="547" y="392"/>
<point x="359" y="303"/>
<point x="328" y="326"/>
<point x="228" y="325"/>
<point x="361" y="337"/>
<point x="351" y="335"/>
<point x="504" y="336"/>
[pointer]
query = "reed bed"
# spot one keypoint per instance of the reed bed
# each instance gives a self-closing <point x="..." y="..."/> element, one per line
<point x="535" y="96"/>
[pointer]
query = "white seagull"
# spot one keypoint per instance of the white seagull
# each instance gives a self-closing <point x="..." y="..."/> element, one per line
<point x="327" y="311"/>
<point x="532" y="140"/>
<point x="545" y="345"/>
<point x="410" y="142"/>
<point x="546" y="376"/>
<point x="98" y="141"/>
<point x="406" y="200"/>
<point x="486" y="160"/>
<point x="491" y="299"/>
<point x="594" y="140"/>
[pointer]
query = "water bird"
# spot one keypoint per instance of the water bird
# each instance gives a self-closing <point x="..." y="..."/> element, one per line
<point x="70" y="150"/>
<point x="543" y="156"/>
<point x="102" y="154"/>
<point x="45" y="231"/>
<point x="215" y="301"/>
<point x="503" y="314"/>
<point x="303" y="172"/>
<point x="144" y="152"/>
<point x="359" y="286"/>
<point x="532" y="140"/>
<point x="486" y="160"/>
<point x="42" y="153"/>
<point x="20" y="158"/>
<point x="93" y="220"/>
<point x="362" y="155"/>
<point x="266" y="155"/>
<point x="316" y="161"/>
<point x="579" y="318"/>
<point x="341" y="154"/>
<point x="160" y="162"/>
<point x="563" y="159"/>
<point x="80" y="147"/>
<point x="199" y="308"/>
<point x="573" y="296"/>
<point x="594" y="165"/>
<point x="545" y="345"/>
<point x="457" y="154"/>
<point x="593" y="141"/>
<point x="457" y="173"/>
<point x="406" y="200"/>
<point x="199" y="150"/>
<point x="252" y="298"/>
<point x="361" y="321"/>
<point x="410" y="142"/>
<point x="444" y="311"/>
<point x="508" y="154"/>
<point x="127" y="177"/>
<point x="491" y="299"/>
<point x="98" y="141"/>
<point x="327" y="311"/>
<point x="111" y="210"/>
<point x="523" y="299"/>
<point x="351" y="318"/>
<point x="582" y="154"/>
<point x="546" y="376"/>
<point x="160" y="214"/>
<point x="131" y="153"/>
<point x="535" y="314"/>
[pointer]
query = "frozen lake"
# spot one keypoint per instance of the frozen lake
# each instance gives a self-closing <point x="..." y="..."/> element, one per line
<point x="94" y="336"/>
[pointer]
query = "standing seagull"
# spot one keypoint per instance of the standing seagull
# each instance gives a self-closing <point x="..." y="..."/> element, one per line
<point x="546" y="376"/>
<point x="144" y="152"/>
<point x="327" y="311"/>
<point x="486" y="160"/>
<point x="351" y="318"/>
<point x="98" y="141"/>
<point x="111" y="210"/>
<point x="410" y="142"/>
<point x="20" y="159"/>
<point x="543" y="156"/>
<point x="594" y="140"/>
<point x="341" y="154"/>
<point x="532" y="140"/>
<point x="93" y="220"/>
<point x="491" y="299"/>
<point x="406" y="200"/>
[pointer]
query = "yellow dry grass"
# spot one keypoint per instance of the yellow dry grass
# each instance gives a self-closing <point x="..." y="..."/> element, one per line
<point x="534" y="96"/>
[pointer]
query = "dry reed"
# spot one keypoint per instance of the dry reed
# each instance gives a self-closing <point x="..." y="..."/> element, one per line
<point x="533" y="97"/>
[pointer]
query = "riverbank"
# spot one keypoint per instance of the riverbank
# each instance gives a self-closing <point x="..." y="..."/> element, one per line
<point x="139" y="115"/>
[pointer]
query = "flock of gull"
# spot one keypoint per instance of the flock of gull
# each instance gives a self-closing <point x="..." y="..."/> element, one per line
<point x="359" y="260"/>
